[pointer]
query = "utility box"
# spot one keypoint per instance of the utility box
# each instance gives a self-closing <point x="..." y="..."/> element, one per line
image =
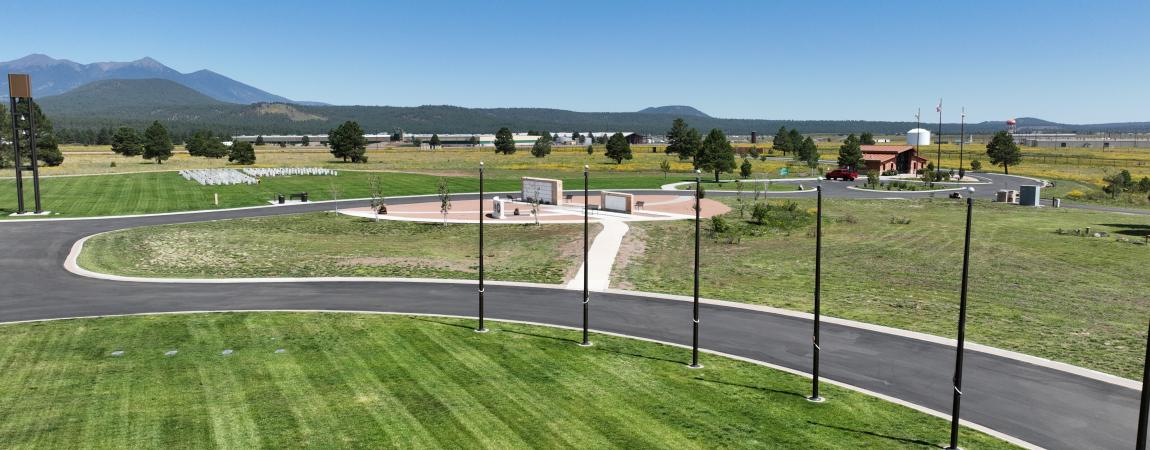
<point x="1029" y="195"/>
<point x="1006" y="196"/>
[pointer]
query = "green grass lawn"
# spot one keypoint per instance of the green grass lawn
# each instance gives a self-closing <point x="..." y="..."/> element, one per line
<point x="157" y="192"/>
<point x="362" y="381"/>
<point x="1073" y="299"/>
<point x="328" y="244"/>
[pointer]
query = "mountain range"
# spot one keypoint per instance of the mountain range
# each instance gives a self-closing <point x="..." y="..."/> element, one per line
<point x="52" y="76"/>
<point x="112" y="94"/>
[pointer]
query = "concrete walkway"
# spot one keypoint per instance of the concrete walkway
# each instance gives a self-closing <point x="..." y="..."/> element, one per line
<point x="601" y="255"/>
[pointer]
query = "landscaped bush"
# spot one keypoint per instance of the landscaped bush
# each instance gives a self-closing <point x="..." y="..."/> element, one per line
<point x="719" y="225"/>
<point x="783" y="216"/>
<point x="1076" y="195"/>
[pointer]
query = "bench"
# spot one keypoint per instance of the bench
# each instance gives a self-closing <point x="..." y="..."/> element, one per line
<point x="639" y="204"/>
<point x="302" y="197"/>
<point x="568" y="197"/>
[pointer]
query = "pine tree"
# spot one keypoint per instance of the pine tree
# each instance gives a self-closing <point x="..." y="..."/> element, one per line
<point x="1002" y="151"/>
<point x="867" y="138"/>
<point x="782" y="141"/>
<point x="716" y="154"/>
<point x="347" y="142"/>
<point x="504" y="141"/>
<point x="618" y="148"/>
<point x="850" y="153"/>
<point x="157" y="143"/>
<point x="242" y="153"/>
<point x="126" y="142"/>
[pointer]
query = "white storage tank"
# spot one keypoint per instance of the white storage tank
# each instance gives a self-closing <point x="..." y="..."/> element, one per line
<point x="918" y="136"/>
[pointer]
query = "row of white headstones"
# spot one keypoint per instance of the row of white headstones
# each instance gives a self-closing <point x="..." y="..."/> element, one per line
<point x="224" y="177"/>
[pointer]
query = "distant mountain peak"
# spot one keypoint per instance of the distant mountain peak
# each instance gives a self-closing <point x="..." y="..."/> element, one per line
<point x="675" y="110"/>
<point x="52" y="76"/>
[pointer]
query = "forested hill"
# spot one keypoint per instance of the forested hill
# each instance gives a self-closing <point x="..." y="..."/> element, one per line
<point x="113" y="103"/>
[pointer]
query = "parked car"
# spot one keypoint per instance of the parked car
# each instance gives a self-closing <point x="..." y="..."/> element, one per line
<point x="842" y="173"/>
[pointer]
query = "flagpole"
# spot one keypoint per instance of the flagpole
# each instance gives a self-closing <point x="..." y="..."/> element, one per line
<point x="938" y="158"/>
<point x="917" y="126"/>
<point x="961" y="141"/>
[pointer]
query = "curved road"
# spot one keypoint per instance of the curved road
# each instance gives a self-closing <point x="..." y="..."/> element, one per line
<point x="1039" y="405"/>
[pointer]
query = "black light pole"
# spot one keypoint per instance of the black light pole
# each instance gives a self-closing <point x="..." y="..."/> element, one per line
<point x="1144" y="410"/>
<point x="695" y="333"/>
<point x="586" y="266"/>
<point x="818" y="304"/>
<point x="957" y="401"/>
<point x="481" y="328"/>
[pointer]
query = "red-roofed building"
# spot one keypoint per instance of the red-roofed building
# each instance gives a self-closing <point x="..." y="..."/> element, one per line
<point x="885" y="158"/>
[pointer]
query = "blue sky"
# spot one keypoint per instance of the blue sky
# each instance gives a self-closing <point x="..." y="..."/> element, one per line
<point x="1068" y="61"/>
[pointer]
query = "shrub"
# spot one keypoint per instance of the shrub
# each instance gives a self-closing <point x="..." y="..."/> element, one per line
<point x="975" y="165"/>
<point x="900" y="221"/>
<point x="1076" y="195"/>
<point x="719" y="225"/>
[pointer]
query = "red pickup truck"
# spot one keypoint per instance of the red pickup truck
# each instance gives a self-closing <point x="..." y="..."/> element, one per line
<point x="842" y="173"/>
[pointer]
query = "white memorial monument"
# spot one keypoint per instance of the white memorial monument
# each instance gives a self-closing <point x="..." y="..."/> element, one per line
<point x="546" y="190"/>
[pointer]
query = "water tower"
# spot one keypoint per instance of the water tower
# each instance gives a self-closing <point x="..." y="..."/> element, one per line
<point x="1011" y="124"/>
<point x="918" y="136"/>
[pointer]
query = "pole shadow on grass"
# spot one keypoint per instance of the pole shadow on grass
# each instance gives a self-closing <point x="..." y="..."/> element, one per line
<point x="440" y="322"/>
<point x="757" y="388"/>
<point x="878" y="435"/>
<point x="1129" y="229"/>
<point x="554" y="338"/>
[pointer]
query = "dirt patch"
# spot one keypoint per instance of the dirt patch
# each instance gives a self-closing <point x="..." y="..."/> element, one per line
<point x="573" y="251"/>
<point x="633" y="247"/>
<point x="405" y="261"/>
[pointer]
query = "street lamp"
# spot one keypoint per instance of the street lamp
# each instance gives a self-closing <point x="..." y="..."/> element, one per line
<point x="695" y="332"/>
<point x="586" y="268"/>
<point x="818" y="290"/>
<point x="1144" y="409"/>
<point x="481" y="328"/>
<point x="957" y="399"/>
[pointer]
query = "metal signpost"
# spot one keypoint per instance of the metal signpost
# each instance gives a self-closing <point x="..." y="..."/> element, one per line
<point x="24" y="124"/>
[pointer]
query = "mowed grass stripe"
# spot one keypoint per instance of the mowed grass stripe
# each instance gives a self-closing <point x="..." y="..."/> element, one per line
<point x="291" y="375"/>
<point x="229" y="403"/>
<point x="519" y="403"/>
<point x="615" y="419"/>
<point x="425" y="405"/>
<point x="482" y="421"/>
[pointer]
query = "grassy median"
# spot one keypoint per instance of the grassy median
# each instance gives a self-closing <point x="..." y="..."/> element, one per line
<point x="363" y="381"/>
<point x="329" y="244"/>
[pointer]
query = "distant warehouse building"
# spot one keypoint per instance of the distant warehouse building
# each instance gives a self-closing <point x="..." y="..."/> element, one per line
<point x="1069" y="140"/>
<point x="888" y="158"/>
<point x="298" y="139"/>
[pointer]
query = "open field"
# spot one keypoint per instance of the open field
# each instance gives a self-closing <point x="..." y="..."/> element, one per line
<point x="363" y="381"/>
<point x="158" y="192"/>
<point x="1067" y="298"/>
<point x="327" y="244"/>
<point x="1073" y="299"/>
<point x="408" y="159"/>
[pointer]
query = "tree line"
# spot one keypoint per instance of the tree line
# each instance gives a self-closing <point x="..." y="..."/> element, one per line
<point x="47" y="146"/>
